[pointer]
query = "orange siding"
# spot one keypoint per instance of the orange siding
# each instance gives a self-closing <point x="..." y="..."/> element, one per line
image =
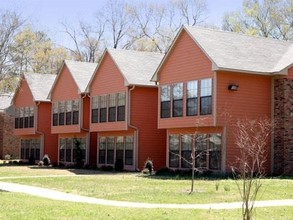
<point x="143" y="115"/>
<point x="290" y="73"/>
<point x="86" y="112"/>
<point x="107" y="80"/>
<point x="65" y="87"/>
<point x="185" y="62"/>
<point x="44" y="128"/>
<point x="251" y="101"/>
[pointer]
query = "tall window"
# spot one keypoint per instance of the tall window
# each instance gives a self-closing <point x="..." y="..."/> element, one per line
<point x="174" y="150"/>
<point x="120" y="148"/>
<point x="30" y="148"/>
<point x="129" y="150"/>
<point x="75" y="111"/>
<point x="61" y="112"/>
<point x="191" y="101"/>
<point x="165" y="101"/>
<point x="110" y="149"/>
<point x="201" y="151"/>
<point x="206" y="96"/>
<point x="95" y="109"/>
<point x="215" y="151"/>
<point x="186" y="150"/>
<point x="26" y="116"/>
<point x="31" y="117"/>
<point x="102" y="150"/>
<point x="55" y="113"/>
<point x="103" y="108"/>
<point x="62" y="150"/>
<point x="68" y="151"/>
<point x="21" y="115"/>
<point x="68" y="112"/>
<point x="121" y="107"/>
<point x="178" y="100"/>
<point x="112" y="108"/>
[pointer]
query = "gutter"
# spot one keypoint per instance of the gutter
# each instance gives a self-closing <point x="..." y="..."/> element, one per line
<point x="133" y="127"/>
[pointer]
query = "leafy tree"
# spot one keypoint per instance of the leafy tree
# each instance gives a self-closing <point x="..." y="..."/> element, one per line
<point x="267" y="18"/>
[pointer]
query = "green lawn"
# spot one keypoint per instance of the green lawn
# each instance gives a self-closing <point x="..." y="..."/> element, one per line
<point x="130" y="187"/>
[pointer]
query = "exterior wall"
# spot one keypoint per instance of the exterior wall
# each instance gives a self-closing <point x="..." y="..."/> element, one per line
<point x="185" y="62"/>
<point x="143" y="115"/>
<point x="44" y="129"/>
<point x="283" y="134"/>
<point x="108" y="80"/>
<point x="66" y="89"/>
<point x="24" y="98"/>
<point x="93" y="149"/>
<point x="9" y="144"/>
<point x="252" y="100"/>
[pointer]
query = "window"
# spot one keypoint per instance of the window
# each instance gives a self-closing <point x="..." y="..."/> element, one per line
<point x="95" y="109"/>
<point x="16" y="118"/>
<point x="75" y="112"/>
<point x="68" y="112"/>
<point x="55" y="113"/>
<point x="21" y="115"/>
<point x="177" y="100"/>
<point x="61" y="112"/>
<point x="129" y="150"/>
<point x="112" y="108"/>
<point x="207" y="150"/>
<point x="191" y="101"/>
<point x="174" y="151"/>
<point x="26" y="116"/>
<point x="206" y="96"/>
<point x="186" y="151"/>
<point x="102" y="150"/>
<point x="79" y="149"/>
<point x="31" y="117"/>
<point x="103" y="108"/>
<point x="121" y="107"/>
<point x="62" y="150"/>
<point x="68" y="149"/>
<point x="110" y="150"/>
<point x="165" y="101"/>
<point x="120" y="148"/>
<point x="30" y="148"/>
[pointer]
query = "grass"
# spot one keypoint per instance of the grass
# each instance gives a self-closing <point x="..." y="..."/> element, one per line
<point x="20" y="206"/>
<point x="130" y="187"/>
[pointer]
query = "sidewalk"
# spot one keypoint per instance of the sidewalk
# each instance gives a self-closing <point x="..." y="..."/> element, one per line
<point x="56" y="195"/>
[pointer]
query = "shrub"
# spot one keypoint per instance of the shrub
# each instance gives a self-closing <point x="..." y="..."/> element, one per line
<point x="148" y="165"/>
<point x="165" y="171"/>
<point x="31" y="160"/>
<point x="46" y="160"/>
<point x="106" y="168"/>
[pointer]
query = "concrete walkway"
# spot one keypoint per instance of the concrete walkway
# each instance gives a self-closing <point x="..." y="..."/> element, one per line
<point x="56" y="195"/>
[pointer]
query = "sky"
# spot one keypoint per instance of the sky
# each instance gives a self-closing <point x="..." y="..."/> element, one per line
<point x="47" y="15"/>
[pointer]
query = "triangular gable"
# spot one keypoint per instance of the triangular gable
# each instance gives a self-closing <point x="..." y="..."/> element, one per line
<point x="19" y="87"/>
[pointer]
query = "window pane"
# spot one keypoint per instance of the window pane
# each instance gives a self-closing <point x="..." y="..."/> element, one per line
<point x="215" y="143"/>
<point x="206" y="105"/>
<point x="95" y="102"/>
<point x="186" y="150"/>
<point x="68" y="149"/>
<point x="26" y="116"/>
<point x="174" y="150"/>
<point x="121" y="113"/>
<point x="31" y="117"/>
<point x="110" y="150"/>
<point x="68" y="112"/>
<point x="192" y="89"/>
<point x="191" y="108"/>
<point x="201" y="150"/>
<point x="206" y="87"/>
<point x="95" y="115"/>
<point x="75" y="109"/>
<point x="55" y="119"/>
<point x="120" y="148"/>
<point x="121" y="99"/>
<point x="165" y="109"/>
<point x="112" y="114"/>
<point x="102" y="150"/>
<point x="21" y="115"/>
<point x="178" y="91"/>
<point x="103" y="115"/>
<point x="177" y="108"/>
<point x="16" y="118"/>
<point x="165" y="93"/>
<point x="61" y="112"/>
<point x="129" y="150"/>
<point x="62" y="150"/>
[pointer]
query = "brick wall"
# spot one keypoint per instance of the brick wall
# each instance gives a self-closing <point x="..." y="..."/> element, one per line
<point x="283" y="135"/>
<point x="9" y="144"/>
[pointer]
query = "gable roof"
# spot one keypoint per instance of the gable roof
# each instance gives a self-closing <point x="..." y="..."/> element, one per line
<point x="242" y="53"/>
<point x="81" y="73"/>
<point x="136" y="67"/>
<point x="39" y="85"/>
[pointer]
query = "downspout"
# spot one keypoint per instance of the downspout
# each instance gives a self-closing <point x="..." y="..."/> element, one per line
<point x="39" y="132"/>
<point x="135" y="128"/>
<point x="85" y="129"/>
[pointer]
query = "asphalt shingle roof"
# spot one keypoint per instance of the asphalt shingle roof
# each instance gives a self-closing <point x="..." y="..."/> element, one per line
<point x="137" y="67"/>
<point x="81" y="72"/>
<point x="40" y="85"/>
<point x="233" y="51"/>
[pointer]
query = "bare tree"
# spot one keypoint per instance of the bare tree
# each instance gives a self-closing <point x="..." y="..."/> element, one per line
<point x="10" y="24"/>
<point x="252" y="140"/>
